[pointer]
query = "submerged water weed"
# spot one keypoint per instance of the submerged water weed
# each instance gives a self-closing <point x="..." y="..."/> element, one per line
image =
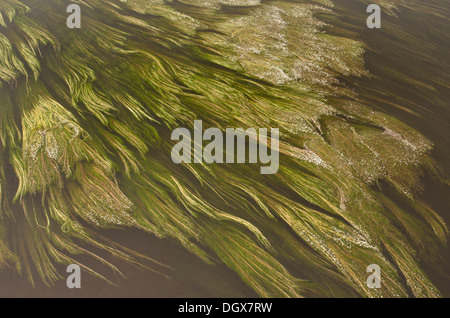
<point x="85" y="126"/>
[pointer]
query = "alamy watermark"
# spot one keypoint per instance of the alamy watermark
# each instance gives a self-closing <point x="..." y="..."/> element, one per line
<point x="235" y="145"/>
<point x="74" y="279"/>
<point x="374" y="279"/>
<point x="74" y="19"/>
<point x="374" y="19"/>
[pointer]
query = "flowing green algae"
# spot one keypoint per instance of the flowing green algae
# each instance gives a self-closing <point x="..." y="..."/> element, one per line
<point x="86" y="120"/>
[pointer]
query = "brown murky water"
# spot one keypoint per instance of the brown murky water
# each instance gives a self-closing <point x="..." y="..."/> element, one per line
<point x="393" y="60"/>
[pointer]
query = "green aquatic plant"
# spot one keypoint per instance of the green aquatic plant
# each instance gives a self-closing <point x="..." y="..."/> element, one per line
<point x="86" y="117"/>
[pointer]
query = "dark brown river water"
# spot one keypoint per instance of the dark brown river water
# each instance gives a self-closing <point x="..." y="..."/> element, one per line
<point x="393" y="59"/>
